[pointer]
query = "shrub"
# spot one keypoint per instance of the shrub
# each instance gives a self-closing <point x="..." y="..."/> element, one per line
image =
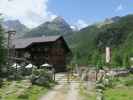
<point x="41" y="77"/>
<point x="15" y="77"/>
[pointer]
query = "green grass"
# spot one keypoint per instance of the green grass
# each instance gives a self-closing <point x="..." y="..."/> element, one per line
<point x="122" y="89"/>
<point x="33" y="93"/>
<point x="21" y="90"/>
<point x="85" y="94"/>
<point x="124" y="93"/>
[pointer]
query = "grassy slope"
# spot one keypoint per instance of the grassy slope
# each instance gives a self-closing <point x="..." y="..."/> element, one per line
<point x="93" y="39"/>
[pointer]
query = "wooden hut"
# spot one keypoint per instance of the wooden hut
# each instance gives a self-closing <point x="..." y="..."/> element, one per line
<point x="46" y="49"/>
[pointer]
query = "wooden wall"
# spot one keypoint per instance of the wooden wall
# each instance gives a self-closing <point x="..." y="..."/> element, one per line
<point x="52" y="53"/>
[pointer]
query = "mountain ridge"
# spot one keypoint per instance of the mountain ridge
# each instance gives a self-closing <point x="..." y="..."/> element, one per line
<point x="16" y="25"/>
<point x="92" y="41"/>
<point x="56" y="27"/>
<point x="115" y="32"/>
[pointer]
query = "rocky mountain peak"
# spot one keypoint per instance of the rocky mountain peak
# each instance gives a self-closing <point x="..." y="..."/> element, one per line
<point x="60" y="20"/>
<point x="56" y="27"/>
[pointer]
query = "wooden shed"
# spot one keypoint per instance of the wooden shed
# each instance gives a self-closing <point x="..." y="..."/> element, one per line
<point x="46" y="49"/>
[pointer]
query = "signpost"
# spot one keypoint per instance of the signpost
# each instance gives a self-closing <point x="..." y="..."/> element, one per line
<point x="131" y="60"/>
<point x="108" y="55"/>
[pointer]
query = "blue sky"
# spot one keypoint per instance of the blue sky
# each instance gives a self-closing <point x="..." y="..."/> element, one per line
<point x="90" y="10"/>
<point x="78" y="13"/>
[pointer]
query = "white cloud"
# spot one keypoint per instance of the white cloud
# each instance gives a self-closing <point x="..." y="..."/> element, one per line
<point x="119" y="8"/>
<point x="79" y="24"/>
<point x="29" y="12"/>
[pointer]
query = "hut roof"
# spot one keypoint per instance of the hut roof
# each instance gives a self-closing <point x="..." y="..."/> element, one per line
<point x="25" y="42"/>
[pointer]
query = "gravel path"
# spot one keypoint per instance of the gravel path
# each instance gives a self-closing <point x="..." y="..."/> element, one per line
<point x="73" y="91"/>
<point x="64" y="90"/>
<point x="57" y="92"/>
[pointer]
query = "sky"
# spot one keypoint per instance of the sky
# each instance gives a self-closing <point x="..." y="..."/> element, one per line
<point x="79" y="13"/>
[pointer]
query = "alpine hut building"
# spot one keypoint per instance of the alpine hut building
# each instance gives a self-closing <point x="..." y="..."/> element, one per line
<point x="46" y="49"/>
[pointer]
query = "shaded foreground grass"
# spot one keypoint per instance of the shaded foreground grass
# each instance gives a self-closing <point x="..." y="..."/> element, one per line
<point x="122" y="89"/>
<point x="33" y="93"/>
<point x="21" y="90"/>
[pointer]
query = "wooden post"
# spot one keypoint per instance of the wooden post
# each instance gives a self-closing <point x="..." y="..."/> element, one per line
<point x="16" y="72"/>
<point x="68" y="78"/>
<point x="53" y="74"/>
